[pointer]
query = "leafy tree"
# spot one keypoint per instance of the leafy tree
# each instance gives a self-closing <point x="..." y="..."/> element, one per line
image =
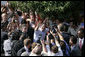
<point x="56" y="9"/>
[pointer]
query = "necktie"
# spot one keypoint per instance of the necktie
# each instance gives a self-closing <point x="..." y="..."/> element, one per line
<point x="80" y="44"/>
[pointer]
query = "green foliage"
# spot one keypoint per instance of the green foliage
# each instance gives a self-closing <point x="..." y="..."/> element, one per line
<point x="56" y="9"/>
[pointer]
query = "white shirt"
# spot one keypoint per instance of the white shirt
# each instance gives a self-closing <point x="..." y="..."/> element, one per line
<point x="81" y="40"/>
<point x="26" y="52"/>
<point x="40" y="33"/>
<point x="33" y="54"/>
<point x="7" y="47"/>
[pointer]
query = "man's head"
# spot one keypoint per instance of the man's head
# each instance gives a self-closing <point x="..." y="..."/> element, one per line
<point x="24" y="28"/>
<point x="54" y="49"/>
<point x="81" y="33"/>
<point x="38" y="49"/>
<point x="27" y="42"/>
<point x="72" y="40"/>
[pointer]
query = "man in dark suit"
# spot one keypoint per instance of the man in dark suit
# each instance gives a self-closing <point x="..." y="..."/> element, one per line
<point x="27" y="43"/>
<point x="75" y="51"/>
<point x="80" y="40"/>
<point x="19" y="44"/>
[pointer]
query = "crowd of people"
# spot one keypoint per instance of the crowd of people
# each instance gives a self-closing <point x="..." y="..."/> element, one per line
<point x="26" y="34"/>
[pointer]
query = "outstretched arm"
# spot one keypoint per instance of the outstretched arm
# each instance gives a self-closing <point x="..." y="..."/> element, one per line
<point x="36" y="28"/>
<point x="59" y="34"/>
<point x="56" y="41"/>
<point x="43" y="46"/>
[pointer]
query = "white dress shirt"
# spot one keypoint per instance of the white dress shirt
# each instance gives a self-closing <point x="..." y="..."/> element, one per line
<point x="40" y="34"/>
<point x="27" y="50"/>
<point x="7" y="47"/>
<point x="81" y="40"/>
<point x="33" y="54"/>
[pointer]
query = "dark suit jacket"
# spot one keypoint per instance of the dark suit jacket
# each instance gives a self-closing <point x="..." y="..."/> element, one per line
<point x="76" y="51"/>
<point x="82" y="49"/>
<point x="17" y="46"/>
<point x="21" y="51"/>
